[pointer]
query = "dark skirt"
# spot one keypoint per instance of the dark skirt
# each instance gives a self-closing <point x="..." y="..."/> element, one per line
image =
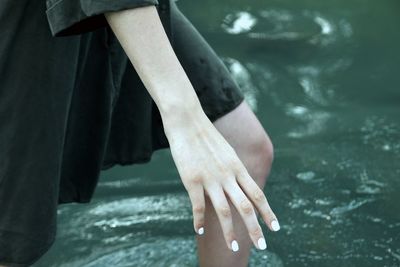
<point x="73" y="106"/>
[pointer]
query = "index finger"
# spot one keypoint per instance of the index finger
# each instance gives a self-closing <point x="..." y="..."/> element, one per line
<point x="257" y="196"/>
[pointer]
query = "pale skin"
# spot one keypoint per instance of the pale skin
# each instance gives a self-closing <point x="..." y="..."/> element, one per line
<point x="209" y="166"/>
<point x="222" y="169"/>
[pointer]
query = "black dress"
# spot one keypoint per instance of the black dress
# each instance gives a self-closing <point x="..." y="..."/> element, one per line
<point x="71" y="104"/>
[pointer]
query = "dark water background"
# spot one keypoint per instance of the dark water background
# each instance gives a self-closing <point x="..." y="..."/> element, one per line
<point x="323" y="78"/>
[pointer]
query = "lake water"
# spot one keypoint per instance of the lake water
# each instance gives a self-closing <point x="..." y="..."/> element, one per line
<point x="323" y="77"/>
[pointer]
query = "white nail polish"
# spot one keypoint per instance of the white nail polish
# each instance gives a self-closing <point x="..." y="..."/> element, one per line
<point x="201" y="231"/>
<point x="275" y="225"/>
<point x="261" y="243"/>
<point x="235" y="246"/>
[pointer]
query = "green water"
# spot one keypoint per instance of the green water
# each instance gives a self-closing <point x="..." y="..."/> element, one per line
<point x="323" y="77"/>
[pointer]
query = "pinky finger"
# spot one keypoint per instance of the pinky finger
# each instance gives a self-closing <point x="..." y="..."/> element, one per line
<point x="196" y="196"/>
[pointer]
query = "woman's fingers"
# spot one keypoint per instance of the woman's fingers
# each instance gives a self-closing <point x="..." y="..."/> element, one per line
<point x="196" y="195"/>
<point x="246" y="210"/>
<point x="257" y="196"/>
<point x="223" y="210"/>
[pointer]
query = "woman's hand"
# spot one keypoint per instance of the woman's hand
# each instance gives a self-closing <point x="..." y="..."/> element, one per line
<point x="207" y="164"/>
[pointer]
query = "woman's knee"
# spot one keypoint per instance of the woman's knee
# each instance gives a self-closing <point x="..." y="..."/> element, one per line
<point x="264" y="154"/>
<point x="245" y="133"/>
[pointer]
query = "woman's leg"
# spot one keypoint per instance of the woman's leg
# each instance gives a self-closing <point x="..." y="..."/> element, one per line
<point x="244" y="132"/>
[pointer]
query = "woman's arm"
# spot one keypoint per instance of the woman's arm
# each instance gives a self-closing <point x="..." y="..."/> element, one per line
<point x="144" y="40"/>
<point x="206" y="163"/>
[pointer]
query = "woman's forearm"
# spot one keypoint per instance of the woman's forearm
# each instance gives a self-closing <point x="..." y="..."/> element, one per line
<point x="145" y="42"/>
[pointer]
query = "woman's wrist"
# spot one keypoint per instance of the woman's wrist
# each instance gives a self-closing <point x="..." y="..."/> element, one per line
<point x="182" y="114"/>
<point x="145" y="42"/>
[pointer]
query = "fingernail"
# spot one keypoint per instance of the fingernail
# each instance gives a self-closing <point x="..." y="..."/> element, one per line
<point x="200" y="231"/>
<point x="261" y="243"/>
<point x="275" y="225"/>
<point x="235" y="246"/>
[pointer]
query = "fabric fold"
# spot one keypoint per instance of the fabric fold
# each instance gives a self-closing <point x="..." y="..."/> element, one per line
<point x="70" y="17"/>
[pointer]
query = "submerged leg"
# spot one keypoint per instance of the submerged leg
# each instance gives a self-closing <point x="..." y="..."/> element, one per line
<point x="245" y="134"/>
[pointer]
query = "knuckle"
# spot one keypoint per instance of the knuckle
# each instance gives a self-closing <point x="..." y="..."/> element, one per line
<point x="229" y="180"/>
<point x="198" y="209"/>
<point x="246" y="206"/>
<point x="239" y="168"/>
<point x="223" y="169"/>
<point x="256" y="231"/>
<point x="259" y="196"/>
<point x="196" y="179"/>
<point x="225" y="211"/>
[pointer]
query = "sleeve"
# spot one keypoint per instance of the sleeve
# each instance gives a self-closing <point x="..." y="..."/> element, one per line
<point x="69" y="17"/>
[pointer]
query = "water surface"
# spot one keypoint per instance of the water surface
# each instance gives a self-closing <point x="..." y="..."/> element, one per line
<point x="323" y="78"/>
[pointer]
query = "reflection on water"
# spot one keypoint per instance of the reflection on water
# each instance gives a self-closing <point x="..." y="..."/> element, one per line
<point x="148" y="230"/>
<point x="243" y="78"/>
<point x="381" y="134"/>
<point x="323" y="80"/>
<point x="239" y="22"/>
